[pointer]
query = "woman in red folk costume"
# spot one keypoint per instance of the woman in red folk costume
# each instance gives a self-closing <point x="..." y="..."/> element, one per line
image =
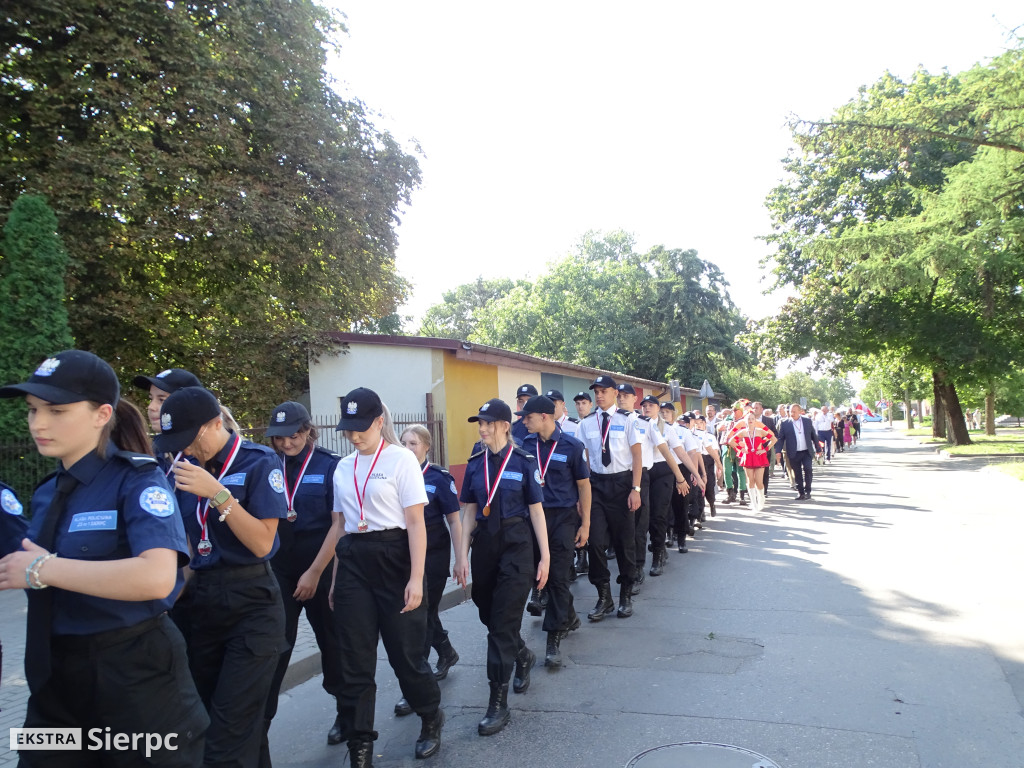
<point x="752" y="441"/>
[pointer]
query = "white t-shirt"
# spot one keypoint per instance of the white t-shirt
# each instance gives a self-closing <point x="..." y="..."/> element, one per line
<point x="687" y="439"/>
<point x="671" y="439"/>
<point x="396" y="483"/>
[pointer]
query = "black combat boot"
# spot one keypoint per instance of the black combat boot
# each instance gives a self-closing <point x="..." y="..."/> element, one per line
<point x="535" y="607"/>
<point x="658" y="562"/>
<point x="605" y="604"/>
<point x="497" y="716"/>
<point x="582" y="562"/>
<point x="447" y="657"/>
<point x="429" y="742"/>
<point x="525" y="660"/>
<point x="360" y="753"/>
<point x="552" y="655"/>
<point x="625" y="600"/>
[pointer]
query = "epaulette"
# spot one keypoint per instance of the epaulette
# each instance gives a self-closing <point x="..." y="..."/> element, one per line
<point x="332" y="454"/>
<point x="590" y="415"/>
<point x="137" y="460"/>
<point x="624" y="412"/>
<point x="645" y="418"/>
<point x="524" y="453"/>
<point x="251" y="446"/>
<point x="574" y="421"/>
<point x="442" y="470"/>
<point x="481" y="452"/>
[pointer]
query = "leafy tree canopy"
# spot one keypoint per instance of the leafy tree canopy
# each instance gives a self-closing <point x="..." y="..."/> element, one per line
<point x="223" y="207"/>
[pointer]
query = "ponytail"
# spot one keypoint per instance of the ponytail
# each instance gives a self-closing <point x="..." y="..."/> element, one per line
<point x="126" y="429"/>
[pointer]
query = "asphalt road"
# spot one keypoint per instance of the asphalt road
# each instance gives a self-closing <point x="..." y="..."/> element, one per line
<point x="878" y="625"/>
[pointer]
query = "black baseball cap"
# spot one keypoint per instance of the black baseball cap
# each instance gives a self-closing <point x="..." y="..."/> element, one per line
<point x="554" y="394"/>
<point x="527" y="389"/>
<point x="287" y="419"/>
<point x="685" y="418"/>
<point x="625" y="387"/>
<point x="70" y="376"/>
<point x="182" y="415"/>
<point x="538" y="404"/>
<point x="170" y="380"/>
<point x="583" y="396"/>
<point x="358" y="410"/>
<point x="651" y="399"/>
<point x="603" y="381"/>
<point x="668" y="406"/>
<point x="493" y="410"/>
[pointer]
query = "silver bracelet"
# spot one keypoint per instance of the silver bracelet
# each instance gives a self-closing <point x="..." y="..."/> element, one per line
<point x="32" y="573"/>
<point x="227" y="510"/>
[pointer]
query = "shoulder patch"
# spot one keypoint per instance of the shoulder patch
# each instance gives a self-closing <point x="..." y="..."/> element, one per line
<point x="454" y="492"/>
<point x="276" y="480"/>
<point x="157" y="501"/>
<point x="137" y="460"/>
<point x="10" y="502"/>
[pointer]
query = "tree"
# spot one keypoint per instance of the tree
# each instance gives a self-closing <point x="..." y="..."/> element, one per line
<point x="33" y="320"/>
<point x="907" y="242"/>
<point x="665" y="314"/>
<point x="224" y="207"/>
<point x="455" y="316"/>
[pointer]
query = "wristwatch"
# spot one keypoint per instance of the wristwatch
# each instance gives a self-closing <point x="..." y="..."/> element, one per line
<point x="636" y="488"/>
<point x="222" y="495"/>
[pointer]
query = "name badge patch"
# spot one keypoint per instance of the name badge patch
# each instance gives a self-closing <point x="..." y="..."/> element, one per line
<point x="103" y="520"/>
<point x="430" y="488"/>
<point x="236" y="479"/>
<point x="559" y="457"/>
<point x="517" y="476"/>
<point x="318" y="479"/>
<point x="618" y="428"/>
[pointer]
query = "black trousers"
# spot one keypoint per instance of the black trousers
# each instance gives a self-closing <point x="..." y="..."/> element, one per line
<point x="611" y="522"/>
<point x="503" y="575"/>
<point x="662" y="487"/>
<point x="709" y="482"/>
<point x="686" y="507"/>
<point x="131" y="683"/>
<point x="288" y="570"/>
<point x="642" y="520"/>
<point x="237" y="637"/>
<point x="803" y="470"/>
<point x="561" y="524"/>
<point x="369" y="594"/>
<point x="437" y="570"/>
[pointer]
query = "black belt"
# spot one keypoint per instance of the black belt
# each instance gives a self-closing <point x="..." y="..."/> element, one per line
<point x="226" y="573"/>
<point x="107" y="638"/>
<point x="388" y="534"/>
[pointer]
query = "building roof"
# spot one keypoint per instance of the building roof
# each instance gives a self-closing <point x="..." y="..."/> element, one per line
<point x="481" y="353"/>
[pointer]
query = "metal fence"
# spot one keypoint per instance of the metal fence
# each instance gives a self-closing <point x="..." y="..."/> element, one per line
<point x="22" y="467"/>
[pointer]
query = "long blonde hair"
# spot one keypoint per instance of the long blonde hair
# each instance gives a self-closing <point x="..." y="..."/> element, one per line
<point x="387" y="430"/>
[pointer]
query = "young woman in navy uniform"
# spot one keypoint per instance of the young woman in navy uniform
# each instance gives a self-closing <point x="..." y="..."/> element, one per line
<point x="565" y="476"/>
<point x="162" y="386"/>
<point x="379" y="497"/>
<point x="442" y="506"/>
<point x="308" y="539"/>
<point x="231" y="495"/>
<point x="502" y="492"/>
<point x="13" y="527"/>
<point x="107" y="539"/>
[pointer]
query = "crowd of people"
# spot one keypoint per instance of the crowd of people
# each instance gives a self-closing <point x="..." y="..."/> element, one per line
<point x="166" y="578"/>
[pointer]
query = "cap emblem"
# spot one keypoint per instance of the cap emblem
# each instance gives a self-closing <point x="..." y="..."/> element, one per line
<point x="484" y="407"/>
<point x="165" y="422"/>
<point x="47" y="367"/>
<point x="352" y="408"/>
<point x="164" y="373"/>
<point x="280" y="416"/>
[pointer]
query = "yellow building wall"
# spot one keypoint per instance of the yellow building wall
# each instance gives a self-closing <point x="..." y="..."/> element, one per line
<point x="511" y="379"/>
<point x="467" y="385"/>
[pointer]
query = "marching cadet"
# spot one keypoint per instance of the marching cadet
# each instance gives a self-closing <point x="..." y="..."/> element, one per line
<point x="661" y="486"/>
<point x="379" y="576"/>
<point x="524" y="393"/>
<point x="308" y="540"/>
<point x="687" y="507"/>
<point x="442" y="506"/>
<point x="565" y="422"/>
<point x="584" y="405"/>
<point x="616" y="466"/>
<point x="231" y="495"/>
<point x="565" y="476"/>
<point x="710" y="456"/>
<point x="160" y="387"/>
<point x="101" y="560"/>
<point x="502" y="492"/>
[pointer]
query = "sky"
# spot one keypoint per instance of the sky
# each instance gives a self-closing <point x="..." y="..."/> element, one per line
<point x="537" y="122"/>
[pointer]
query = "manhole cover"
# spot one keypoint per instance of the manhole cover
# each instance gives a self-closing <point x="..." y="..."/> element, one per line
<point x="700" y="754"/>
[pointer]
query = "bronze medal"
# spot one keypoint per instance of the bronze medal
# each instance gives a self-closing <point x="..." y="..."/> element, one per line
<point x="487" y="510"/>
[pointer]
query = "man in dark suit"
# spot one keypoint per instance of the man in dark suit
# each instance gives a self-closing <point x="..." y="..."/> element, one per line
<point x="801" y="444"/>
